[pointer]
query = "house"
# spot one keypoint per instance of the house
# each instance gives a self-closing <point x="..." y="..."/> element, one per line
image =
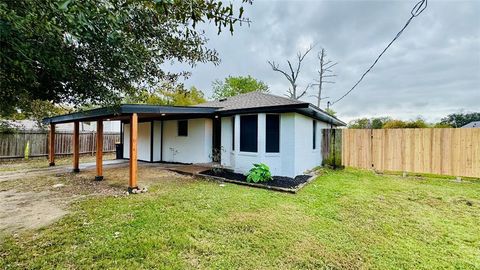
<point x="237" y="131"/>
<point x="474" y="124"/>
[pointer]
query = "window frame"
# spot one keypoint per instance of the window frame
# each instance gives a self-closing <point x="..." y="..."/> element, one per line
<point x="233" y="133"/>
<point x="267" y="134"/>
<point x="179" y="128"/>
<point x="242" y="145"/>
<point x="314" y="134"/>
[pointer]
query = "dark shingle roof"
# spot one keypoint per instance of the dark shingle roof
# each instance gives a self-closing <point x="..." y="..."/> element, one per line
<point x="258" y="101"/>
<point x="250" y="100"/>
<point x="474" y="124"/>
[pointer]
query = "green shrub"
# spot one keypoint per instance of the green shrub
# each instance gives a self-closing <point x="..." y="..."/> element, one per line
<point x="259" y="173"/>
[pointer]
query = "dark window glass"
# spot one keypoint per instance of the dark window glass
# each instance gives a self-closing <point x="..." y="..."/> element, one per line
<point x="248" y="133"/>
<point x="233" y="133"/>
<point x="272" y="133"/>
<point x="182" y="128"/>
<point x="314" y="126"/>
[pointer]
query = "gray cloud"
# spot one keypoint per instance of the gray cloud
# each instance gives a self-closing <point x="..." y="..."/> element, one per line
<point x="432" y="70"/>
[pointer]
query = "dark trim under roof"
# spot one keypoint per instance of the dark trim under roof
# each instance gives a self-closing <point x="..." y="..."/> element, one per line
<point x="152" y="111"/>
<point x="127" y="109"/>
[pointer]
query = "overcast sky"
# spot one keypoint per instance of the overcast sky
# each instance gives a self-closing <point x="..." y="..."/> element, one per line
<point x="432" y="70"/>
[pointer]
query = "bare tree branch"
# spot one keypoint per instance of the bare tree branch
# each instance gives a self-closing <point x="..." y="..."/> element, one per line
<point x="292" y="74"/>
<point x="325" y="66"/>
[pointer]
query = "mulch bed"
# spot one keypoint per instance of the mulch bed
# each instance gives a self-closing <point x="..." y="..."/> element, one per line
<point x="280" y="183"/>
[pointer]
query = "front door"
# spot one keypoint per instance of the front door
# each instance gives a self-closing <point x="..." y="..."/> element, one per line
<point x="217" y="140"/>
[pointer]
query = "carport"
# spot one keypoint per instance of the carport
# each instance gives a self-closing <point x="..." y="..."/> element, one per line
<point x="127" y="113"/>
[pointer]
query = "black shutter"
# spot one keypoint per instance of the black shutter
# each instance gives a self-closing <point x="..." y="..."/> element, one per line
<point x="272" y="133"/>
<point x="182" y="128"/>
<point x="248" y="133"/>
<point x="314" y="125"/>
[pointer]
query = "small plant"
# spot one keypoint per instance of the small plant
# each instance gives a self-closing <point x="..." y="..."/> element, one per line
<point x="216" y="155"/>
<point x="259" y="173"/>
<point x="27" y="150"/>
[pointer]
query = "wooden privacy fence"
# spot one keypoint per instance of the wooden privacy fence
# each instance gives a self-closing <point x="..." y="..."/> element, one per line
<point x="445" y="151"/>
<point x="332" y="147"/>
<point x="13" y="145"/>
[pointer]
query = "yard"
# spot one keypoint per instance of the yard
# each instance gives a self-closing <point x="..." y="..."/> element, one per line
<point x="347" y="219"/>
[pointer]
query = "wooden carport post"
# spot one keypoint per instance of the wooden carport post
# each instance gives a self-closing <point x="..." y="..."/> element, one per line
<point x="99" y="160"/>
<point x="51" y="145"/>
<point x="132" y="184"/>
<point x="76" y="146"/>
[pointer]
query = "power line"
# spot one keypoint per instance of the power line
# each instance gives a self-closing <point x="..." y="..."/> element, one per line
<point x="417" y="10"/>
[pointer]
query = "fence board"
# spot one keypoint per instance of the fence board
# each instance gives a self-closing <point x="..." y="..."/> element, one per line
<point x="446" y="151"/>
<point x="13" y="145"/>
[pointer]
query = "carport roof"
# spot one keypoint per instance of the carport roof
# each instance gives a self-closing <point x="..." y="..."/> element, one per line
<point x="124" y="110"/>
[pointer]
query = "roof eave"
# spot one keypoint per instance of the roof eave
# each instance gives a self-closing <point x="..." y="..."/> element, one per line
<point x="126" y="109"/>
<point x="265" y="109"/>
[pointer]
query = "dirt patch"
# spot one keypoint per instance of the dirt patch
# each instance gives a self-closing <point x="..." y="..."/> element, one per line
<point x="28" y="210"/>
<point x="36" y="197"/>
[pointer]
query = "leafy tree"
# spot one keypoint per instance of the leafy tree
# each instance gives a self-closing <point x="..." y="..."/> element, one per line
<point x="460" y="119"/>
<point x="40" y="109"/>
<point x="395" y="123"/>
<point x="417" y="123"/>
<point x="330" y="111"/>
<point x="233" y="86"/>
<point x="361" y="123"/>
<point x="37" y="110"/>
<point x="169" y="95"/>
<point x="386" y="122"/>
<point x="378" y="122"/>
<point x="97" y="52"/>
<point x="442" y="125"/>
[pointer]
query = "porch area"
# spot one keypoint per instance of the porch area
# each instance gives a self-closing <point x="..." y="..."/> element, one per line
<point x="139" y="135"/>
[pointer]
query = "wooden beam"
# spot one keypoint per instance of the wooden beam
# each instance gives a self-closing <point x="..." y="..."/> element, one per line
<point x="51" y="146"/>
<point x="76" y="146"/>
<point x="99" y="176"/>
<point x="132" y="184"/>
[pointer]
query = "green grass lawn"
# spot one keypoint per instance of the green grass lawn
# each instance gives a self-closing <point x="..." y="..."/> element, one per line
<point x="343" y="220"/>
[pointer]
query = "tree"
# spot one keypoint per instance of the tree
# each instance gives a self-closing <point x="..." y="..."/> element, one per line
<point x="395" y="123"/>
<point x="361" y="123"/>
<point x="330" y="112"/>
<point x="460" y="119"/>
<point x="324" y="73"/>
<point x="417" y="123"/>
<point x="193" y="96"/>
<point x="100" y="51"/>
<point x="233" y="86"/>
<point x="168" y="94"/>
<point x="40" y="109"/>
<point x="292" y="74"/>
<point x="378" y="122"/>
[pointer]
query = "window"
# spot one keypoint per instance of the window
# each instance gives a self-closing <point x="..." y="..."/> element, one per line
<point x="314" y="126"/>
<point x="182" y="128"/>
<point x="233" y="133"/>
<point x="272" y="133"/>
<point x="248" y="133"/>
